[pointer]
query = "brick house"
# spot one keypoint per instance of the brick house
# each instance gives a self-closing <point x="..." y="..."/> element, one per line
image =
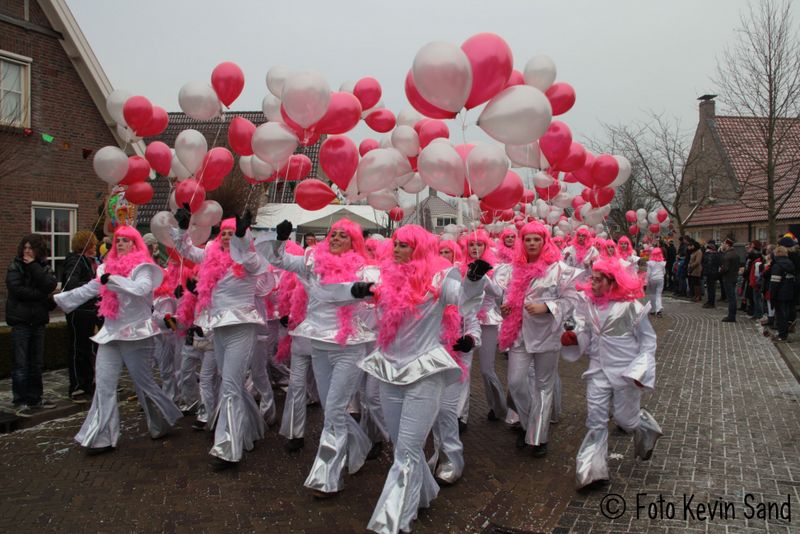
<point x="52" y="107"/>
<point x="726" y="178"/>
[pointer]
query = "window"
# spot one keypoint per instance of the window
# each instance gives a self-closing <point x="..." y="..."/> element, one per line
<point x="444" y="221"/>
<point x="761" y="234"/>
<point x="14" y="90"/>
<point x="715" y="234"/>
<point x="693" y="192"/>
<point x="56" y="223"/>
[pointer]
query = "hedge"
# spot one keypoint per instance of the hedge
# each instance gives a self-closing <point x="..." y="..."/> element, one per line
<point x="56" y="341"/>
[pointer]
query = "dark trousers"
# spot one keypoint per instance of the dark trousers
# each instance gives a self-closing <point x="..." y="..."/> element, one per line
<point x="711" y="287"/>
<point x="782" y="316"/>
<point x="27" y="360"/>
<point x="82" y="350"/>
<point x="730" y="293"/>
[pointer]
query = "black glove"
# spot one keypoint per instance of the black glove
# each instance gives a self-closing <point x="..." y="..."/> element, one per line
<point x="178" y="292"/>
<point x="284" y="321"/>
<point x="104" y="278"/>
<point x="465" y="343"/>
<point x="243" y="223"/>
<point x="477" y="269"/>
<point x="198" y="331"/>
<point x="191" y="285"/>
<point x="284" y="230"/>
<point x="361" y="290"/>
<point x="183" y="216"/>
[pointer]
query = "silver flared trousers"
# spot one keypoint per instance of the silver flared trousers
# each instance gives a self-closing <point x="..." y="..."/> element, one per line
<point x="495" y="394"/>
<point x="293" y="422"/>
<point x="531" y="381"/>
<point x="447" y="461"/>
<point x="167" y="355"/>
<point x="464" y="387"/>
<point x="261" y="379"/>
<point x="101" y="427"/>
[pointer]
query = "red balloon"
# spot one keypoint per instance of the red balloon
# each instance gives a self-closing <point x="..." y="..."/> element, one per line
<point x="310" y="139"/>
<point x="367" y="91"/>
<point x="507" y="194"/>
<point x="344" y="112"/>
<point x="528" y="196"/>
<point x="313" y="194"/>
<point x="217" y="163"/>
<point x="138" y="170"/>
<point x="365" y="146"/>
<point x="547" y="193"/>
<point x="507" y="215"/>
<point x="159" y="156"/>
<point x="139" y="193"/>
<point x="662" y="215"/>
<point x="556" y="142"/>
<point x="561" y="96"/>
<point x="297" y="168"/>
<point x="412" y="160"/>
<point x="584" y="174"/>
<point x="432" y="129"/>
<point x="396" y="214"/>
<point x="577" y="202"/>
<point x="138" y="112"/>
<point x="600" y="196"/>
<point x="381" y="120"/>
<point x="487" y="216"/>
<point x="575" y="158"/>
<point x="492" y="63"/>
<point x="422" y="105"/>
<point x="190" y="192"/>
<point x="338" y="158"/>
<point x="630" y="216"/>
<point x="604" y="170"/>
<point x="516" y="78"/>
<point x="655" y="228"/>
<point x="227" y="79"/>
<point x="240" y="136"/>
<point x="633" y="229"/>
<point x="420" y="123"/>
<point x="303" y="134"/>
<point x="156" y="125"/>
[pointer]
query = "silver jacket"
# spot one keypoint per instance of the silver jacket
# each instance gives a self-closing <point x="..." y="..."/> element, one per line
<point x="161" y="307"/>
<point x="135" y="293"/>
<point x="489" y="313"/>
<point x="571" y="257"/>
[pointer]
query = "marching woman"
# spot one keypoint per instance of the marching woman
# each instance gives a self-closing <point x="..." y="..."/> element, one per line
<point x="412" y="364"/>
<point x="339" y="336"/>
<point x="613" y="329"/>
<point x="168" y="343"/>
<point x="581" y="254"/>
<point x="125" y="285"/>
<point x="655" y="280"/>
<point x="505" y="245"/>
<point x="627" y="254"/>
<point x="226" y="289"/>
<point x="539" y="297"/>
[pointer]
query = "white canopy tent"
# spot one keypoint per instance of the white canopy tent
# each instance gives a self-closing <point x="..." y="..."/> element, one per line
<point x="319" y="221"/>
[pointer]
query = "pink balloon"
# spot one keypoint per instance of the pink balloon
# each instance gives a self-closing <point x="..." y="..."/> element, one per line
<point x="561" y="96"/>
<point x="381" y="120"/>
<point x="570" y="178"/>
<point x="574" y="160"/>
<point x="343" y="114"/>
<point x="138" y="112"/>
<point x="547" y="193"/>
<point x="630" y="216"/>
<point x="516" y="78"/>
<point x="227" y="79"/>
<point x="367" y="145"/>
<point x="432" y="129"/>
<point x="368" y="92"/>
<point x="604" y="170"/>
<point x="662" y="215"/>
<point x="584" y="174"/>
<point x="633" y="229"/>
<point x="492" y="63"/>
<point x="313" y="194"/>
<point x="528" y="196"/>
<point x="577" y="202"/>
<point x="600" y="196"/>
<point x="156" y="125"/>
<point x="506" y="215"/>
<point x="420" y="104"/>
<point x="507" y="194"/>
<point x="556" y="142"/>
<point x="304" y="135"/>
<point x="240" y="136"/>
<point x="139" y="193"/>
<point x="655" y="228"/>
<point x="190" y="192"/>
<point x="338" y="158"/>
<point x="217" y="164"/>
<point x="159" y="156"/>
<point x="297" y="168"/>
<point x="396" y="214"/>
<point x="420" y="123"/>
<point x="138" y="171"/>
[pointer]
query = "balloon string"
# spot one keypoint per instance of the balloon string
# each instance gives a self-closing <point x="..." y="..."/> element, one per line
<point x="205" y="162"/>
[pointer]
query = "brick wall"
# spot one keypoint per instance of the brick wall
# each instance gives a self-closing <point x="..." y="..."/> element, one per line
<point x="60" y="106"/>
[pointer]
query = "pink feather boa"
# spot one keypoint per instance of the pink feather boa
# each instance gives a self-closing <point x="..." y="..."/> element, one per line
<point x="334" y="269"/>
<point x="451" y="331"/>
<point x="216" y="263"/>
<point x="395" y="300"/>
<point x="504" y="254"/>
<point x="521" y="279"/>
<point x="120" y="266"/>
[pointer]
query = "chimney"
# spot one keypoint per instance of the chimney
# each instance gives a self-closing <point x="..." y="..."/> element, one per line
<point x="707" y="107"/>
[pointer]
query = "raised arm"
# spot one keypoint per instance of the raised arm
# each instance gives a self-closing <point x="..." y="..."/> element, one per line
<point x="143" y="280"/>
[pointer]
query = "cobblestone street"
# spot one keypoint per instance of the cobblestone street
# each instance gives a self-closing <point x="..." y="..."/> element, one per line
<point x="726" y="400"/>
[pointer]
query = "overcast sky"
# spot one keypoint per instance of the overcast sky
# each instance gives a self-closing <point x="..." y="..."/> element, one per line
<point x="623" y="57"/>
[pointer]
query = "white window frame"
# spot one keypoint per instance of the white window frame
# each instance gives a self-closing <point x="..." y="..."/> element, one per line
<point x="25" y="63"/>
<point x="715" y="234"/>
<point x="50" y="236"/>
<point x="442" y="218"/>
<point x="762" y="234"/>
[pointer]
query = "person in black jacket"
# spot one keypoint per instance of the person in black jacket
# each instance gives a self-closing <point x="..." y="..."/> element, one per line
<point x="29" y="281"/>
<point x="782" y="290"/>
<point x="711" y="264"/>
<point x="670" y="255"/>
<point x="728" y="273"/>
<point x="80" y="268"/>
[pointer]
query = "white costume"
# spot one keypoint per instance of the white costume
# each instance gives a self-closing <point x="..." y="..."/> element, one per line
<point x="655" y="284"/>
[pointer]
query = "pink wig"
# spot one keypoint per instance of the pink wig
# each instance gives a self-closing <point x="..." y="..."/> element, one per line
<point x="479" y="236"/>
<point x="354" y="231"/>
<point x="603" y="245"/>
<point x="216" y="263"/>
<point x="656" y="254"/>
<point x="625" y="286"/>
<point x="624" y="239"/>
<point x="453" y="247"/>
<point x="505" y="254"/>
<point x="122" y="266"/>
<point x="228" y="224"/>
<point x="549" y="253"/>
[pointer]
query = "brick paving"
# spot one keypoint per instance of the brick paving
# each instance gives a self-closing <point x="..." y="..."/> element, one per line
<point x="725" y="399"/>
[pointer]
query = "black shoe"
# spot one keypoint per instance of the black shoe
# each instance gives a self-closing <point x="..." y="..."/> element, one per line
<point x="540" y="450"/>
<point x="462" y="426"/>
<point x="491" y="416"/>
<point x="594" y="486"/>
<point x="375" y="451"/>
<point x="728" y="320"/>
<point x="659" y="314"/>
<point x="708" y="306"/>
<point x="218" y="464"/>
<point x="94" y="451"/>
<point x="199" y="425"/>
<point x="294" y="444"/>
<point x="521" y="439"/>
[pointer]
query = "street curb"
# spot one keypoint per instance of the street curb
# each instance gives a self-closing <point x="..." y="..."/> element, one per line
<point x="791" y="359"/>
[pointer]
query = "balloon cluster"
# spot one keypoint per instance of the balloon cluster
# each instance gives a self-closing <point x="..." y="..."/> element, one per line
<point x="656" y="221"/>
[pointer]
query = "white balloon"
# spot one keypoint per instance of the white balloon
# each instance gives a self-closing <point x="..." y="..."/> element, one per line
<point x="199" y="234"/>
<point x="442" y="168"/>
<point x="351" y="194"/>
<point x="209" y="214"/>
<point x="305" y="97"/>
<point x="110" y="164"/>
<point x="406" y="140"/>
<point x="443" y="75"/>
<point x="160" y="226"/>
<point x="525" y="155"/>
<point x="377" y="170"/>
<point x="652" y="217"/>
<point x="386" y="141"/>
<point x="641" y="215"/>
<point x="624" y="171"/>
<point x="564" y="226"/>
<point x="246" y="166"/>
<point x="487" y="166"/>
<point x="602" y="235"/>
<point x="415" y="185"/>
<point x="540" y="72"/>
<point x="553" y="217"/>
<point x="404" y="179"/>
<point x="665" y="223"/>
<point x="347" y="87"/>
<point x="408" y="117"/>
<point x="542" y="210"/>
<point x="562" y="200"/>
<point x="274" y="142"/>
<point x="191" y="147"/>
<point x="176" y="168"/>
<point x="271" y="107"/>
<point x="382" y="200"/>
<point x="276" y="78"/>
<point x="260" y="168"/>
<point x="403" y="165"/>
<point x="518" y="115"/>
<point x="542" y="179"/>
<point x="115" y="102"/>
<point x="199" y="101"/>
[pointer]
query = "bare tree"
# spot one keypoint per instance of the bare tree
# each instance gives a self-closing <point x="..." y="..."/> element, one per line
<point x="759" y="76"/>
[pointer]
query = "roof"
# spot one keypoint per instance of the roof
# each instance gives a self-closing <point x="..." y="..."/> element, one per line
<point x="432" y="206"/>
<point x="741" y="141"/>
<point x="320" y="220"/>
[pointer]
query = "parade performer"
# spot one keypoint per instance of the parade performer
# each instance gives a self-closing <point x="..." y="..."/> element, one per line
<point x="504" y="247"/>
<point x="125" y="285"/>
<point x="613" y="330"/>
<point x="168" y="343"/>
<point x="655" y="279"/>
<point x="539" y="297"/>
<point x="627" y="254"/>
<point x="581" y="253"/>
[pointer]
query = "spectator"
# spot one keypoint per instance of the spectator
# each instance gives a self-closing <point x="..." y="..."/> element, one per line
<point x="154" y="248"/>
<point x="793" y="249"/>
<point x="80" y="268"/>
<point x="729" y="272"/>
<point x="682" y="263"/>
<point x="695" y="270"/>
<point x="309" y="240"/>
<point x="671" y="255"/>
<point x="655" y="280"/>
<point x="754" y="271"/>
<point x="711" y="263"/>
<point x="782" y="290"/>
<point x="29" y="281"/>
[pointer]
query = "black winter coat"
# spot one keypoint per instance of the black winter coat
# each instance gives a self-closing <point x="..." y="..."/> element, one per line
<point x="78" y="271"/>
<point x="729" y="267"/>
<point x="782" y="280"/>
<point x="29" y="286"/>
